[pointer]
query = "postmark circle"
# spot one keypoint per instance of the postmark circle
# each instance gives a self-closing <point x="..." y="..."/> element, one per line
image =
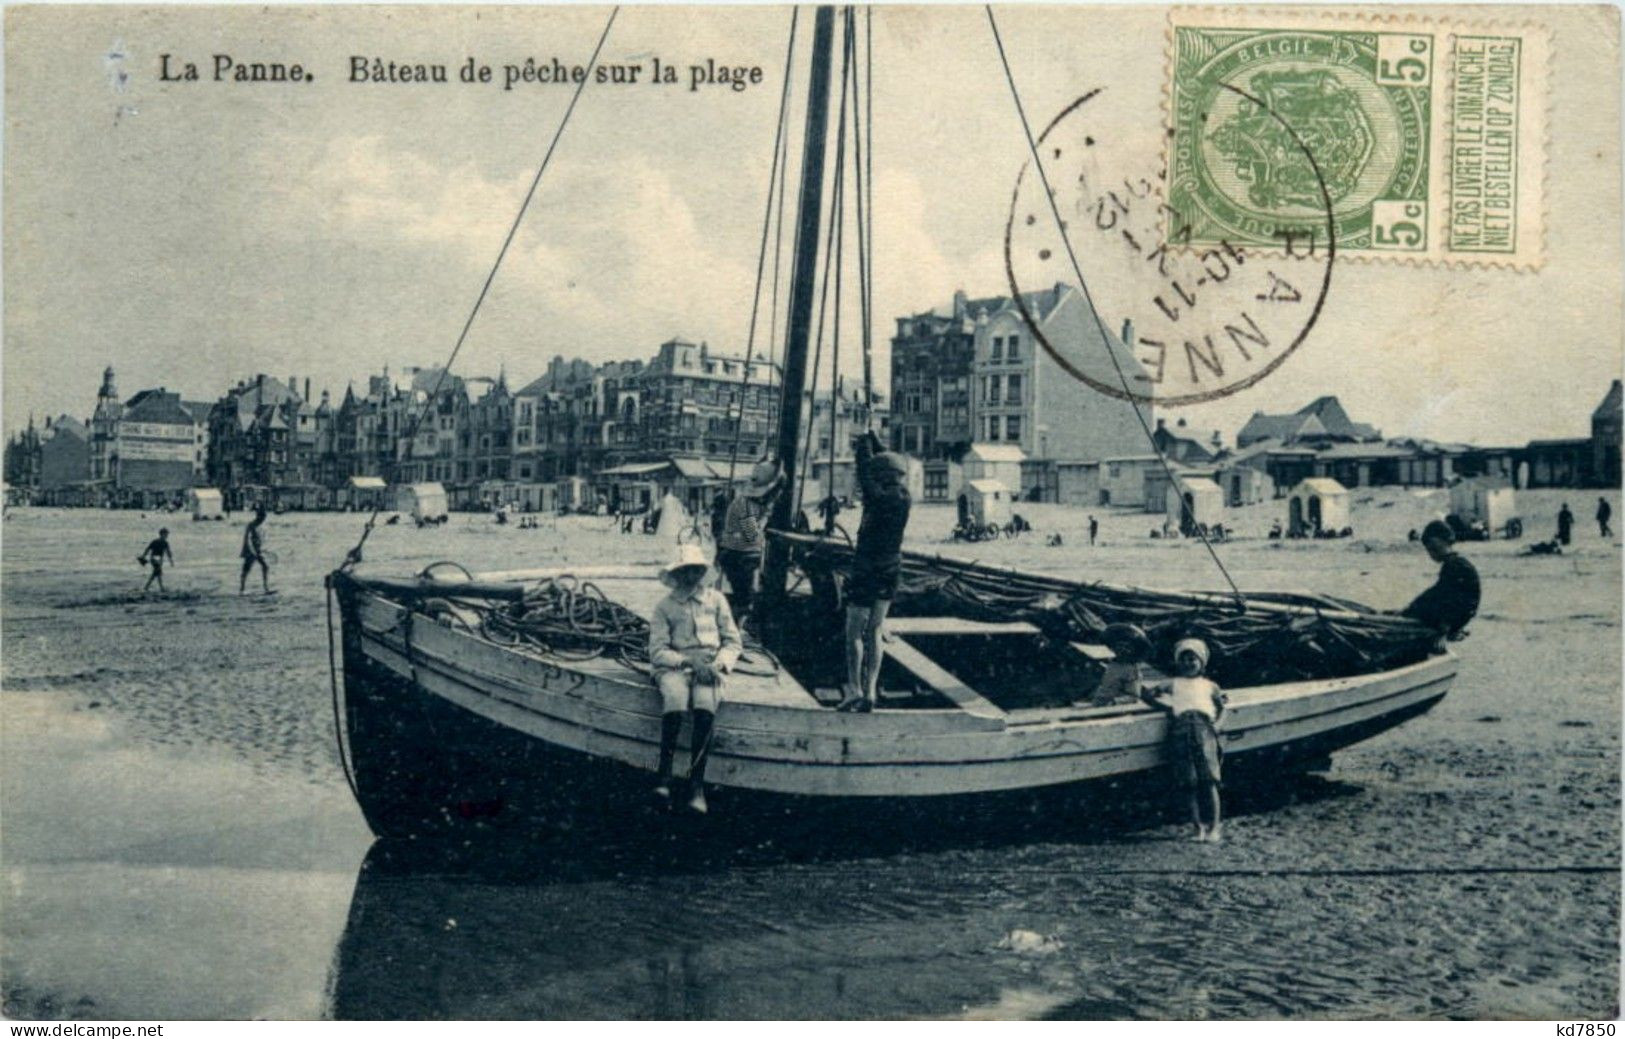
<point x="1199" y="320"/>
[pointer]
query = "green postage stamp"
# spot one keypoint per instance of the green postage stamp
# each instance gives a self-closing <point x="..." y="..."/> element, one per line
<point x="1405" y="138"/>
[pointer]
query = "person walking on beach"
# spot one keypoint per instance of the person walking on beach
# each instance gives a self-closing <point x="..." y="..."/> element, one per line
<point x="1453" y="600"/>
<point x="1605" y="512"/>
<point x="1094" y="528"/>
<point x="156" y="552"/>
<point x="254" y="552"/>
<point x="743" y="537"/>
<point x="877" y="562"/>
<point x="1196" y="706"/>
<point x="1565" y="524"/>
<point x="693" y="643"/>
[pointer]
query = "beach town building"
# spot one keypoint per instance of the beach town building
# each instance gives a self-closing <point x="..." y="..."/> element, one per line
<point x="1187" y="444"/>
<point x="104" y="428"/>
<point x="64" y="469"/>
<point x="23" y="459"/>
<point x="1023" y="397"/>
<point x="696" y="401"/>
<point x="1322" y="420"/>
<point x="1605" y="438"/>
<point x="931" y="360"/>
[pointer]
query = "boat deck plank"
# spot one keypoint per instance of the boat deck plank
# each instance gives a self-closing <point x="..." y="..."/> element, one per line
<point x="938" y="677"/>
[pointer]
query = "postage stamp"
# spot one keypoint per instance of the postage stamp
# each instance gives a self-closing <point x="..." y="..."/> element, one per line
<point x="1425" y="137"/>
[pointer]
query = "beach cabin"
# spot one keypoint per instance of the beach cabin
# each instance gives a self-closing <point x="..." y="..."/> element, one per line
<point x="988" y="501"/>
<point x="1486" y="500"/>
<point x="1318" y="504"/>
<point x="1001" y="462"/>
<point x="425" y="501"/>
<point x="573" y="494"/>
<point x="1194" y="501"/>
<point x="1245" y="485"/>
<point x="363" y="493"/>
<point x="1122" y="480"/>
<point x="1077" y="483"/>
<point x="206" y="503"/>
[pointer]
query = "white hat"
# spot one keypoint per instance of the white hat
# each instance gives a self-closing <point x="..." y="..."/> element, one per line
<point x="687" y="555"/>
<point x="1196" y="646"/>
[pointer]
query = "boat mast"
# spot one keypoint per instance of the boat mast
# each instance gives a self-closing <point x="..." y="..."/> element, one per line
<point x="801" y="296"/>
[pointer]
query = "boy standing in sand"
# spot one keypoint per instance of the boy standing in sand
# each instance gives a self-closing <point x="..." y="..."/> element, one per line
<point x="156" y="552"/>
<point x="254" y="552"/>
<point x="693" y="642"/>
<point x="1196" y="705"/>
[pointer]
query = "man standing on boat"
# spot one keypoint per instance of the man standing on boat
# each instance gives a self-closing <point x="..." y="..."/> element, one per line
<point x="743" y="538"/>
<point x="693" y="642"/>
<point x="877" y="562"/>
<point x="1453" y="599"/>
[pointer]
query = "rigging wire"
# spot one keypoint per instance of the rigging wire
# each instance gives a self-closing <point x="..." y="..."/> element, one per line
<point x="1105" y="338"/>
<point x="866" y="210"/>
<point x="849" y="66"/>
<point x="831" y="240"/>
<point x="354" y="555"/>
<point x="773" y="177"/>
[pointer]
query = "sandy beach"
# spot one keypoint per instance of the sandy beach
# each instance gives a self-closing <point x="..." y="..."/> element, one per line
<point x="179" y="842"/>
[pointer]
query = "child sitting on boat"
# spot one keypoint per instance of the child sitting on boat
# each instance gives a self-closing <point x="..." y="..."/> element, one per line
<point x="693" y="642"/>
<point x="1123" y="680"/>
<point x="1196" y="706"/>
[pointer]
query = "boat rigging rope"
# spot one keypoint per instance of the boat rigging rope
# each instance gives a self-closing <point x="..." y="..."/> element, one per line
<point x="863" y="139"/>
<point x="354" y="555"/>
<point x="774" y="178"/>
<point x="1105" y="337"/>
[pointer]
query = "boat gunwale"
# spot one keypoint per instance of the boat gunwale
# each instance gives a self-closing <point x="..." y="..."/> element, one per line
<point x="1026" y="723"/>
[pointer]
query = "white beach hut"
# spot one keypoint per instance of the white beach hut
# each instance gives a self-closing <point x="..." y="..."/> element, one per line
<point x="205" y="503"/>
<point x="1194" y="500"/>
<point x="425" y="501"/>
<point x="1315" y="505"/>
<point x="988" y="502"/>
<point x="1484" y="500"/>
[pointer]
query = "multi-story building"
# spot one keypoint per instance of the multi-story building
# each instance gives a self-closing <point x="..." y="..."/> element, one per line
<point x="104" y="428"/>
<point x="1023" y="397"/>
<point x="22" y="461"/>
<point x="695" y="401"/>
<point x="64" y="461"/>
<point x="262" y="436"/>
<point x="154" y="449"/>
<point x="930" y="381"/>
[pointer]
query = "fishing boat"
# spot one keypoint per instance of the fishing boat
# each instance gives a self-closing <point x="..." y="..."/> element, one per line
<point x="521" y="699"/>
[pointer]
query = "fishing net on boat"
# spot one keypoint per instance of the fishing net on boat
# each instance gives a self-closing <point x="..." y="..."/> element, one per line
<point x="568" y="619"/>
<point x="1267" y="637"/>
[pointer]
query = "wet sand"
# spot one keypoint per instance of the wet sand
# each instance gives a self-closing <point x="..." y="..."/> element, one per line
<point x="178" y="841"/>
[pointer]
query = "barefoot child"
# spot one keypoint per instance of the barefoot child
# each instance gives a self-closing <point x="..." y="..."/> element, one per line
<point x="157" y="550"/>
<point x="1196" y="706"/>
<point x="693" y="642"/>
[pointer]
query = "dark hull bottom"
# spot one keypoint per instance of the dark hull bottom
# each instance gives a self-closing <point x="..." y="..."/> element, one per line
<point x="427" y="770"/>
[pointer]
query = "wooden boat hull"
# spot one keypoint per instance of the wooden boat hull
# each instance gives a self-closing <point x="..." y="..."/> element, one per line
<point x="447" y="730"/>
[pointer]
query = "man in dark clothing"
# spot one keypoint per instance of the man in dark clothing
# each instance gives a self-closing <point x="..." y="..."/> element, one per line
<point x="1453" y="599"/>
<point x="877" y="562"/>
<point x="1565" y="524"/>
<point x="1094" y="528"/>
<point x="157" y="551"/>
<point x="1605" y="512"/>
<point x="719" y="514"/>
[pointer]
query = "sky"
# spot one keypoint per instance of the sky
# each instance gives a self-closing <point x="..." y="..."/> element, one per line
<point x="192" y="234"/>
